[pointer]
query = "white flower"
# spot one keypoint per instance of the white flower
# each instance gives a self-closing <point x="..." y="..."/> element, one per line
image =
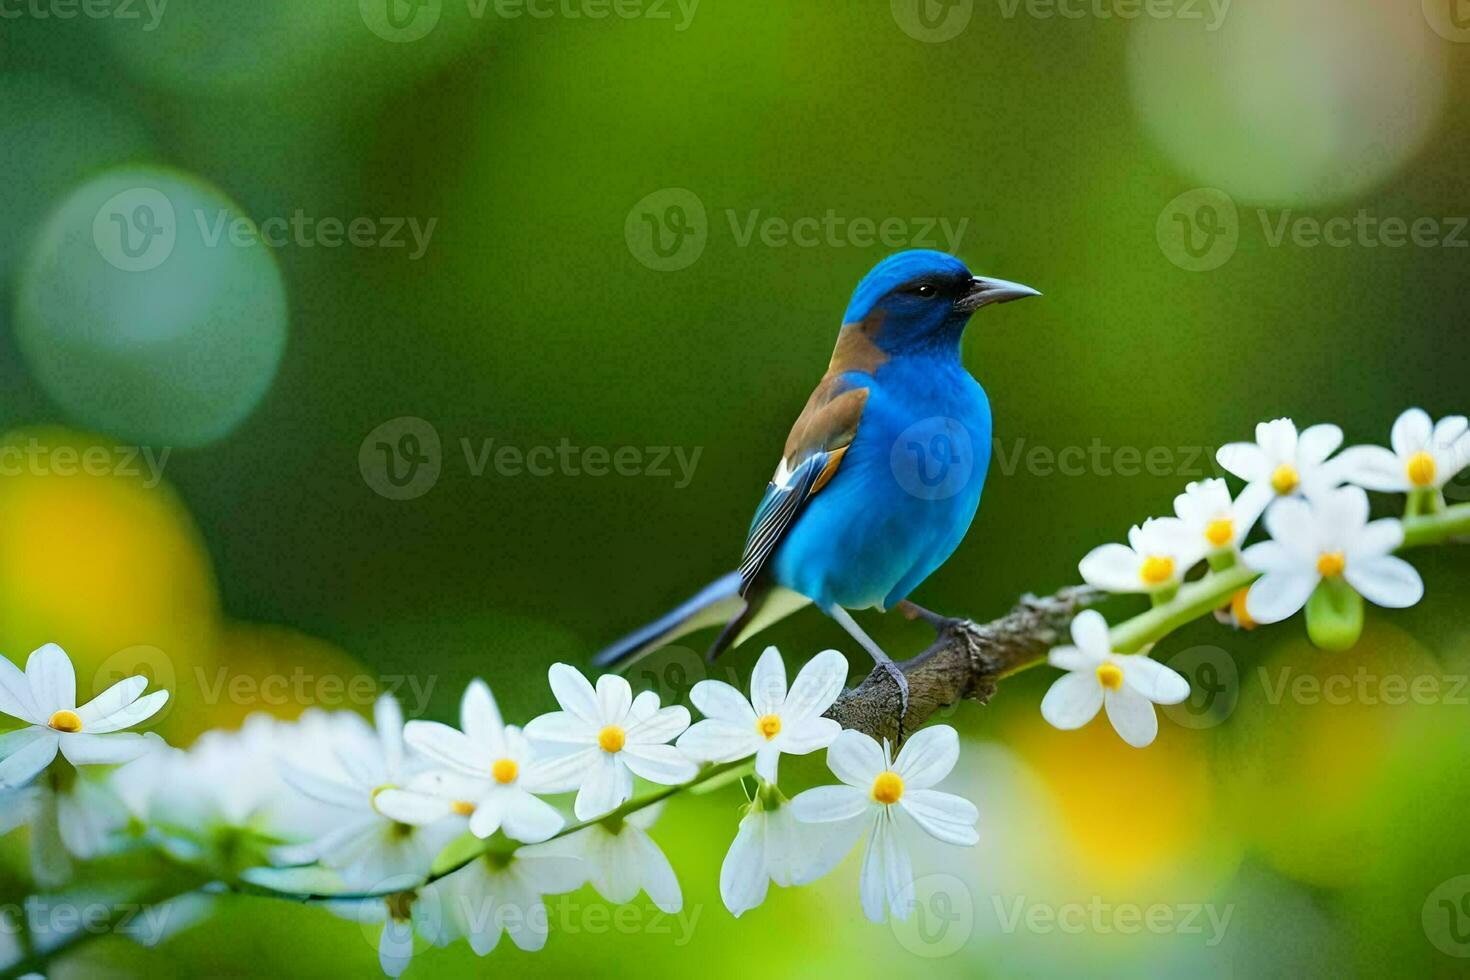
<point x="1281" y="464"/>
<point x="490" y="778"/>
<point x="495" y="894"/>
<point x="893" y="795"/>
<point x="623" y="860"/>
<point x="773" y="846"/>
<point x="774" y="720"/>
<point x="603" y="737"/>
<point x="366" y="845"/>
<point x="45" y="696"/>
<point x="1328" y="537"/>
<point x="1212" y="520"/>
<point x="1425" y="455"/>
<point x="1128" y="685"/>
<point x="231" y="780"/>
<point x="1155" y="559"/>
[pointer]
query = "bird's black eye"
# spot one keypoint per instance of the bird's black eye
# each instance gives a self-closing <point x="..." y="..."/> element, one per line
<point x="926" y="290"/>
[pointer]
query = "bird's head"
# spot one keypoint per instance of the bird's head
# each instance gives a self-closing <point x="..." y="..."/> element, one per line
<point x="922" y="299"/>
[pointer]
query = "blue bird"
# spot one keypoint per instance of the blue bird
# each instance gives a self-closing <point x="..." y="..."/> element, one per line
<point x="881" y="474"/>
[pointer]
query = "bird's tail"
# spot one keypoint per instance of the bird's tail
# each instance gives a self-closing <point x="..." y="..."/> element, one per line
<point x="717" y="603"/>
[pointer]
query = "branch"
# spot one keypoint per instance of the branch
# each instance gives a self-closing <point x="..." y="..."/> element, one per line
<point x="966" y="662"/>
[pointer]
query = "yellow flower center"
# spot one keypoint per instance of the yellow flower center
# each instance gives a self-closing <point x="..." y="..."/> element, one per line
<point x="1422" y="469"/>
<point x="1110" y="676"/>
<point x="888" y="787"/>
<point x="1156" y="569"/>
<point x="66" y="721"/>
<point x="463" y="808"/>
<point x="1237" y="606"/>
<point x="505" y="770"/>
<point x="1285" y="479"/>
<point x="769" y="726"/>
<point x="611" y="738"/>
<point x="1220" y="533"/>
<point x="1331" y="564"/>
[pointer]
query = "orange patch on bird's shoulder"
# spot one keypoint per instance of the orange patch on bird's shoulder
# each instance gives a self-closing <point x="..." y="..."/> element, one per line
<point x="857" y="347"/>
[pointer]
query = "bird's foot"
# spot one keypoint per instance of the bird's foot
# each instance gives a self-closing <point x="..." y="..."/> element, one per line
<point x="912" y="610"/>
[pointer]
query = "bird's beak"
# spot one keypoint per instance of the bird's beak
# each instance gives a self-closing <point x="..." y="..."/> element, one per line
<point x="984" y="291"/>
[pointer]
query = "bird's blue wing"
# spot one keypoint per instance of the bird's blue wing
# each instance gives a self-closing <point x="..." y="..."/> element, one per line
<point x="814" y="450"/>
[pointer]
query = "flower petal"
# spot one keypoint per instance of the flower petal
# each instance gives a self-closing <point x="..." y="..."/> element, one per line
<point x="768" y="762"/>
<point x="1382" y="537"/>
<point x="1243" y="459"/>
<point x="717" y="740"/>
<point x="52" y="679"/>
<point x="807" y="736"/>
<point x="574" y="694"/>
<point x="411" y="807"/>
<point x="446" y="746"/>
<point x="1412" y="432"/>
<point x="928" y="756"/>
<point x="1448" y="431"/>
<point x="137" y="712"/>
<point x="83" y="749"/>
<point x="115" y="698"/>
<point x="662" y="764"/>
<point x="26" y="752"/>
<point x="768" y="683"/>
<point x="561" y="728"/>
<point x="817" y="685"/>
<point x="1072" y="700"/>
<point x="1317" y="443"/>
<point x="658" y="878"/>
<point x="1375" y="468"/>
<point x="743" y="879"/>
<point x="1132" y="716"/>
<point x="1290" y="523"/>
<point x="716" y="699"/>
<point x="489" y="814"/>
<point x="530" y="819"/>
<point x="1386" y="581"/>
<point x="1113" y="567"/>
<point x="480" y="718"/>
<point x="828" y="804"/>
<point x="395" y="947"/>
<point x="1155" y="681"/>
<point x="667" y="724"/>
<point x="855" y="758"/>
<point x="564" y="772"/>
<point x="943" y="816"/>
<point x="15" y="694"/>
<point x="1090" y="633"/>
<point x="607" y="784"/>
<point x="1278" y="595"/>
<point x="388" y="725"/>
<point x="614" y="699"/>
<point x="1277" y="439"/>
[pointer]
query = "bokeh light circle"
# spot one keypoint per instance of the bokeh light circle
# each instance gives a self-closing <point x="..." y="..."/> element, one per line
<point x="1307" y="102"/>
<point x="148" y="307"/>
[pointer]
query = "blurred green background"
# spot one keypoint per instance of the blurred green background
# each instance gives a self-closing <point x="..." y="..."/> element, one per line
<point x="1066" y="144"/>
